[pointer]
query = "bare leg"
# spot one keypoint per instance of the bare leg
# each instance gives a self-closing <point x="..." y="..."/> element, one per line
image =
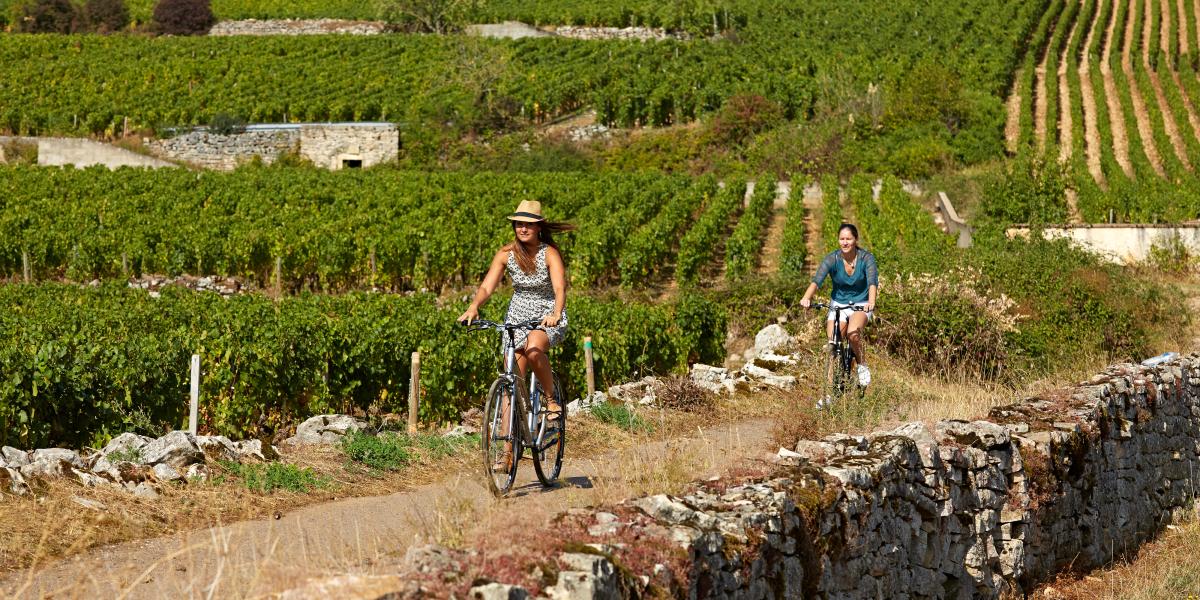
<point x="858" y="322"/>
<point x="537" y="344"/>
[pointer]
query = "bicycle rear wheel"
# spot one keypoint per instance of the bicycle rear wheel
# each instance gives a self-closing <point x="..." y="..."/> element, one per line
<point x="501" y="442"/>
<point x="550" y="439"/>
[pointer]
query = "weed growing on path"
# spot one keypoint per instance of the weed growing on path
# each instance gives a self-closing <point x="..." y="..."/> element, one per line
<point x="391" y="451"/>
<point x="268" y="477"/>
<point x="621" y="416"/>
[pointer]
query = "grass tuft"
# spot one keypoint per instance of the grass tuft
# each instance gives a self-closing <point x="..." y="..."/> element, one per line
<point x="269" y="477"/>
<point x="392" y="451"/>
<point x="621" y="416"/>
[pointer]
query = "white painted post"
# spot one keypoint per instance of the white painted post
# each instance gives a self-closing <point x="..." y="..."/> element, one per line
<point x="195" y="404"/>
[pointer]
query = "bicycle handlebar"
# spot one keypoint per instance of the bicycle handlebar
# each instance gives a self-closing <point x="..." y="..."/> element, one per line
<point x="826" y="305"/>
<point x="481" y="324"/>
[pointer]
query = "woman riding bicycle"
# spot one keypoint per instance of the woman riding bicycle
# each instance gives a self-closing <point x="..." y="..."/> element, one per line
<point x="855" y="278"/>
<point x="539" y="281"/>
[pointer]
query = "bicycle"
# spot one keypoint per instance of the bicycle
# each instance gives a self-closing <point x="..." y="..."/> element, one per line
<point x="841" y="377"/>
<point x="540" y="431"/>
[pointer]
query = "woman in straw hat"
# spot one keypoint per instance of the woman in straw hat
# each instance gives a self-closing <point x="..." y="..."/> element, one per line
<point x="539" y="289"/>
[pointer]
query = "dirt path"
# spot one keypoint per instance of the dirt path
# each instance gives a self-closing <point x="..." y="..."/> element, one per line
<point x="812" y="197"/>
<point x="255" y="558"/>
<point x="1181" y="18"/>
<point x="1012" y="122"/>
<point x="1116" y="116"/>
<point x="1169" y="124"/>
<point x="1196" y="12"/>
<point x="1140" y="113"/>
<point x="768" y="263"/>
<point x="1066" y="122"/>
<point x="1041" y="104"/>
<point x="1091" y="128"/>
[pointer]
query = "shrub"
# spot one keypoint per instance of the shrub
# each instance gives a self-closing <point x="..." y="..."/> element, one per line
<point x="681" y="393"/>
<point x="226" y="124"/>
<point x="942" y="324"/>
<point x="1171" y="255"/>
<point x="428" y="16"/>
<point x="47" y="16"/>
<point x="106" y="16"/>
<point x="383" y="452"/>
<point x="183" y="17"/>
<point x="742" y="116"/>
<point x="266" y="478"/>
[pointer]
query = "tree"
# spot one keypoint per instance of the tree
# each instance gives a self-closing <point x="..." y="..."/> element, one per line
<point x="430" y="16"/>
<point x="106" y="16"/>
<point x="183" y="17"/>
<point x="47" y="16"/>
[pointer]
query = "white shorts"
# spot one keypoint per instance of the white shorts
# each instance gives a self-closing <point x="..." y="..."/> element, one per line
<point x="845" y="314"/>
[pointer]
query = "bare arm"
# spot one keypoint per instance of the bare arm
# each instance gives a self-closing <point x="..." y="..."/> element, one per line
<point x="806" y="301"/>
<point x="558" y="279"/>
<point x="491" y="281"/>
<point x="872" y="293"/>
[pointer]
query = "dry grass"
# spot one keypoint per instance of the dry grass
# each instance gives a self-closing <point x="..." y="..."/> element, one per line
<point x="898" y="395"/>
<point x="50" y="524"/>
<point x="1168" y="567"/>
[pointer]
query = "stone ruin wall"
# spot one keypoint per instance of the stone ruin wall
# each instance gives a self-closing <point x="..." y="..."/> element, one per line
<point x="226" y="152"/>
<point x="325" y="145"/>
<point x="957" y="509"/>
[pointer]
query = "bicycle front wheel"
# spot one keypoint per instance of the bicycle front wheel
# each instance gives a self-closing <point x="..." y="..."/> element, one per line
<point x="836" y="374"/>
<point x="550" y="439"/>
<point x="501" y="443"/>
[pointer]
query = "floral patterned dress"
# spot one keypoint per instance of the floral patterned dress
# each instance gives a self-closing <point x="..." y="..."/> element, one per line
<point x="533" y="298"/>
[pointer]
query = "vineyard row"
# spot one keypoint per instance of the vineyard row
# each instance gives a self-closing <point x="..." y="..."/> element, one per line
<point x="346" y="230"/>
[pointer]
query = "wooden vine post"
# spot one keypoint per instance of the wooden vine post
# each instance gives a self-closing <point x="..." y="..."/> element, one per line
<point x="591" y="369"/>
<point x="373" y="272"/>
<point x="278" y="278"/>
<point x="414" y="393"/>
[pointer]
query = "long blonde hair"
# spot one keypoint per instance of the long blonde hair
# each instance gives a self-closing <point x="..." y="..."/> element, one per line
<point x="526" y="258"/>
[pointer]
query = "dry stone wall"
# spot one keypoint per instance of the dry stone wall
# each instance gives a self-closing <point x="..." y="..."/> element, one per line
<point x="330" y="146"/>
<point x="956" y="509"/>
<point x="297" y="27"/>
<point x="225" y="152"/>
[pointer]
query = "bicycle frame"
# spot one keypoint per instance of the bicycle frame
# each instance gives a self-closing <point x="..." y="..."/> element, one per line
<point x="509" y="373"/>
<point x="840" y="348"/>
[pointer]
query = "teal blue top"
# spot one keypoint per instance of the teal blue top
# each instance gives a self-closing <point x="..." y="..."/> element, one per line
<point x="848" y="288"/>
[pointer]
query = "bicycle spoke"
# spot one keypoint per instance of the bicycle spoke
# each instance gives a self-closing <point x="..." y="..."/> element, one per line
<point x="500" y="445"/>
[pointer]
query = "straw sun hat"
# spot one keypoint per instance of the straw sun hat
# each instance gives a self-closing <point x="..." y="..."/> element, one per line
<point x="528" y="211"/>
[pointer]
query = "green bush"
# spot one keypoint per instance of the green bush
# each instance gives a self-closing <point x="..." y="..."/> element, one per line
<point x="269" y="477"/>
<point x="386" y="451"/>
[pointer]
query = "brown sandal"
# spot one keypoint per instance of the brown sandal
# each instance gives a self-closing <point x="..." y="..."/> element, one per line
<point x="504" y="463"/>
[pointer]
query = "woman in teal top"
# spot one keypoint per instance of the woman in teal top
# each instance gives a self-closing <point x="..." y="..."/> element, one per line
<point x="855" y="279"/>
